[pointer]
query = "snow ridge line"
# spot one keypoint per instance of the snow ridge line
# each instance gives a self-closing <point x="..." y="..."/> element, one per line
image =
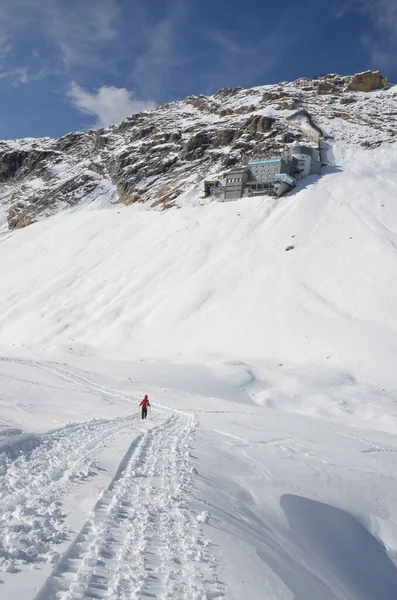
<point x="142" y="538"/>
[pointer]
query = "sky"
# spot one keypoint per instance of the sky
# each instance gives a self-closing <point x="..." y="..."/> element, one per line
<point x="69" y="65"/>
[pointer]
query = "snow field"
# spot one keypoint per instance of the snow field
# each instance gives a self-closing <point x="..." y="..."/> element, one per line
<point x="286" y="489"/>
<point x="216" y="280"/>
<point x="187" y="504"/>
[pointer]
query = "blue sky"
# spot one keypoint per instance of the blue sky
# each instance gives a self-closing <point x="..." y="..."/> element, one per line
<point x="74" y="64"/>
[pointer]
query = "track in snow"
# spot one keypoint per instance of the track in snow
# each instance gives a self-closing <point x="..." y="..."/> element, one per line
<point x="142" y="539"/>
<point x="36" y="473"/>
<point x="69" y="375"/>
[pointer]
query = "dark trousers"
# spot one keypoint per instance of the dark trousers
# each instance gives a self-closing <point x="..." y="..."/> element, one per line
<point x="144" y="412"/>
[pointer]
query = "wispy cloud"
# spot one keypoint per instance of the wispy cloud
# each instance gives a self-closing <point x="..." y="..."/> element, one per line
<point x="228" y="43"/>
<point x="23" y="75"/>
<point x="203" y="56"/>
<point x="239" y="60"/>
<point x="161" y="50"/>
<point x="160" y="55"/>
<point x="382" y="44"/>
<point x="108" y="104"/>
<point x="76" y="29"/>
<point x="80" y="29"/>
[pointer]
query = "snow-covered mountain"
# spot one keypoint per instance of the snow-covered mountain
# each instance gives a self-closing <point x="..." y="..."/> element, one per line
<point x="160" y="157"/>
<point x="267" y="468"/>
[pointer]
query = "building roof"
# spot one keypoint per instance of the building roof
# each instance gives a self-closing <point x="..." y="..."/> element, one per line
<point x="302" y="149"/>
<point x="237" y="170"/>
<point x="264" y="161"/>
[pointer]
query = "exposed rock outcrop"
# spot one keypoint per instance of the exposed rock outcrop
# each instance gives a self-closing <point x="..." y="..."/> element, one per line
<point x="368" y="81"/>
<point x="195" y="146"/>
<point x="272" y="96"/>
<point x="224" y="137"/>
<point x="227" y="92"/>
<point x="18" y="163"/>
<point x="258" y="124"/>
<point x="325" y="87"/>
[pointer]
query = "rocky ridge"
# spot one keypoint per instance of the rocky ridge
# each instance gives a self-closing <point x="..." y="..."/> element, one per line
<point x="160" y="157"/>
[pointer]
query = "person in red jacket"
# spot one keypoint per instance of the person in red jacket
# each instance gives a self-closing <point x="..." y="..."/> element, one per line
<point x="145" y="403"/>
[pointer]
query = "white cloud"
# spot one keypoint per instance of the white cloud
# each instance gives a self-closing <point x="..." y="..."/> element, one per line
<point x="108" y="104"/>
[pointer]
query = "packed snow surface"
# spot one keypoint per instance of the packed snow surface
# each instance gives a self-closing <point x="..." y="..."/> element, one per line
<point x="267" y="466"/>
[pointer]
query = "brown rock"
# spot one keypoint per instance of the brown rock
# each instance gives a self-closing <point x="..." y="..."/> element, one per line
<point x="325" y="87"/>
<point x="347" y="100"/>
<point x="165" y="196"/>
<point x="342" y="115"/>
<point x="225" y="112"/>
<point x="224" y="137"/>
<point x="226" y="92"/>
<point x="291" y="104"/>
<point x="243" y="110"/>
<point x="21" y="214"/>
<point x="272" y="96"/>
<point x="19" y="163"/>
<point x="258" y="124"/>
<point x="95" y="168"/>
<point x="368" y="81"/>
<point x="127" y="194"/>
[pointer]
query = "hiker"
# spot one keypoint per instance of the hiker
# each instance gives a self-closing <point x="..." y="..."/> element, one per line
<point x="145" y="403"/>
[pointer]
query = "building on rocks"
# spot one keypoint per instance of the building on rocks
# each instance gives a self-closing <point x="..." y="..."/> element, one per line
<point x="273" y="176"/>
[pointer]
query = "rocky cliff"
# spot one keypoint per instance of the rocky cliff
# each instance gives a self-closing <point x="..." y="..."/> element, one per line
<point x="161" y="157"/>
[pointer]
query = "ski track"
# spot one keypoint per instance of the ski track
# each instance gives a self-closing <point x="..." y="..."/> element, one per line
<point x="141" y="540"/>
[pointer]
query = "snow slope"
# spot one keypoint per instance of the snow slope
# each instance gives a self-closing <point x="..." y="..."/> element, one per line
<point x="224" y="499"/>
<point x="268" y="467"/>
<point x="216" y="280"/>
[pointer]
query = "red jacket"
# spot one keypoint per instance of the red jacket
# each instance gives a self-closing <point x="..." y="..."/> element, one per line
<point x="145" y="402"/>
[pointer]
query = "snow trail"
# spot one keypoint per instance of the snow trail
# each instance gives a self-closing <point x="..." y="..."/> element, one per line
<point x="36" y="473"/>
<point x="142" y="538"/>
<point x="69" y="375"/>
